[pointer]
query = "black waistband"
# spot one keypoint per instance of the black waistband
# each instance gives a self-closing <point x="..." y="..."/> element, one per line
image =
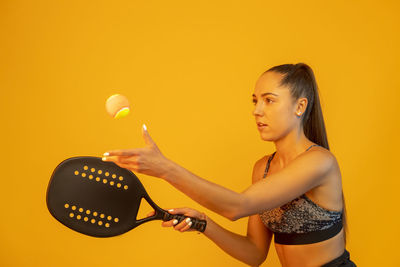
<point x="307" y="238"/>
<point x="340" y="261"/>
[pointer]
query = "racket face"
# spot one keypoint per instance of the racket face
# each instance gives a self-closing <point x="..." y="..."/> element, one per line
<point x="94" y="197"/>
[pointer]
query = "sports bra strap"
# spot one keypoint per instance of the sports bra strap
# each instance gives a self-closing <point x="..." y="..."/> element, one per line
<point x="270" y="158"/>
<point x="311" y="147"/>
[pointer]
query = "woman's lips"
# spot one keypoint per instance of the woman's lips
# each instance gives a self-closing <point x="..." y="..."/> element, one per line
<point x="260" y="127"/>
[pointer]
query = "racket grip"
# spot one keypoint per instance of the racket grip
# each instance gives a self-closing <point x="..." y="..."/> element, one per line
<point x="197" y="224"/>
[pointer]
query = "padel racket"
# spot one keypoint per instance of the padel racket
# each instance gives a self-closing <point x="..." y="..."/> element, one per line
<point x="99" y="198"/>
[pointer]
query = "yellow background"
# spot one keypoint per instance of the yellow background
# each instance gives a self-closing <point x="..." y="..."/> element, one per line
<point x="189" y="69"/>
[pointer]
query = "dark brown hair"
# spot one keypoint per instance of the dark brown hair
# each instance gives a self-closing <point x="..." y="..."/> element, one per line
<point x="300" y="80"/>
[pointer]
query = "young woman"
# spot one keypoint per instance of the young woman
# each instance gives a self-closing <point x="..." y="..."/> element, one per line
<point x="296" y="193"/>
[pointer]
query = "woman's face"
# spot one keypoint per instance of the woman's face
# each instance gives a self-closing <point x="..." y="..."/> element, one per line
<point x="274" y="106"/>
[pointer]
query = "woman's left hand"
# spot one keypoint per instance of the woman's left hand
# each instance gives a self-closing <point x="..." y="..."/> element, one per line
<point x="147" y="160"/>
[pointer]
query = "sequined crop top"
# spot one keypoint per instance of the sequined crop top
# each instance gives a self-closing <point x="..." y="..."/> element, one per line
<point x="301" y="221"/>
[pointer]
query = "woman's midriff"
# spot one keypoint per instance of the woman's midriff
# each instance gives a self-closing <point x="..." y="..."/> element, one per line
<point x="311" y="255"/>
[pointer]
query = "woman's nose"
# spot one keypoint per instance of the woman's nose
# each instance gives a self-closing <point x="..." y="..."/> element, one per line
<point x="257" y="110"/>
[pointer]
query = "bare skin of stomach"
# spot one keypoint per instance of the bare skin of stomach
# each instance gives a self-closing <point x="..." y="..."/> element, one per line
<point x="311" y="255"/>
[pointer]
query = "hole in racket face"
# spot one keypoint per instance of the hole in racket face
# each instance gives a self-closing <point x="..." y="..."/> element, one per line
<point x="96" y="198"/>
<point x="144" y="209"/>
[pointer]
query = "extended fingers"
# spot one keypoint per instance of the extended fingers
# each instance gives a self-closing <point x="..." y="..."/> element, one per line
<point x="127" y="160"/>
<point x="127" y="166"/>
<point x="121" y="159"/>
<point x="122" y="152"/>
<point x="123" y="162"/>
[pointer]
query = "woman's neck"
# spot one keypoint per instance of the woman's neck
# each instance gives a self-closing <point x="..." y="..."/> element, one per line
<point x="290" y="147"/>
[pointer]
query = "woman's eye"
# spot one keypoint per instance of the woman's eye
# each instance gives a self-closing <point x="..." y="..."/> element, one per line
<point x="267" y="99"/>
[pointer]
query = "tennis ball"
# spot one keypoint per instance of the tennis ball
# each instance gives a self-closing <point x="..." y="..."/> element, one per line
<point x="117" y="106"/>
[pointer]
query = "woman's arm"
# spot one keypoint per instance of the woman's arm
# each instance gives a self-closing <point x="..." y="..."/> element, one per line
<point x="210" y="195"/>
<point x="305" y="172"/>
<point x="243" y="248"/>
<point x="251" y="249"/>
<point x="299" y="176"/>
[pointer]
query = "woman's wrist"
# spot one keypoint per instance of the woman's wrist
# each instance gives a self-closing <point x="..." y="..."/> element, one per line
<point x="208" y="225"/>
<point x="169" y="168"/>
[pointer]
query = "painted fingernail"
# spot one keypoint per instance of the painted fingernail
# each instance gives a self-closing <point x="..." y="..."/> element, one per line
<point x="175" y="221"/>
<point x="171" y="210"/>
<point x="144" y="127"/>
<point x="190" y="223"/>
<point x="106" y="154"/>
<point x="104" y="158"/>
<point x="187" y="220"/>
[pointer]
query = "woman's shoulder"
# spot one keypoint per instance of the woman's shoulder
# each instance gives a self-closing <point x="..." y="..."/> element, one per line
<point x="322" y="152"/>
<point x="318" y="150"/>
<point x="328" y="166"/>
<point x="259" y="166"/>
<point x="262" y="161"/>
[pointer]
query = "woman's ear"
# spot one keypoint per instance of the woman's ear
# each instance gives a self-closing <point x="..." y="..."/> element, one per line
<point x="301" y="106"/>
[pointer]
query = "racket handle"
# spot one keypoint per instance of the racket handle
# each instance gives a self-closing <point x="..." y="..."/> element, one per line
<point x="197" y="224"/>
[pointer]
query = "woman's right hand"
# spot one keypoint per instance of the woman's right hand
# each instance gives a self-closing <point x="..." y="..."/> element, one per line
<point x="185" y="224"/>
